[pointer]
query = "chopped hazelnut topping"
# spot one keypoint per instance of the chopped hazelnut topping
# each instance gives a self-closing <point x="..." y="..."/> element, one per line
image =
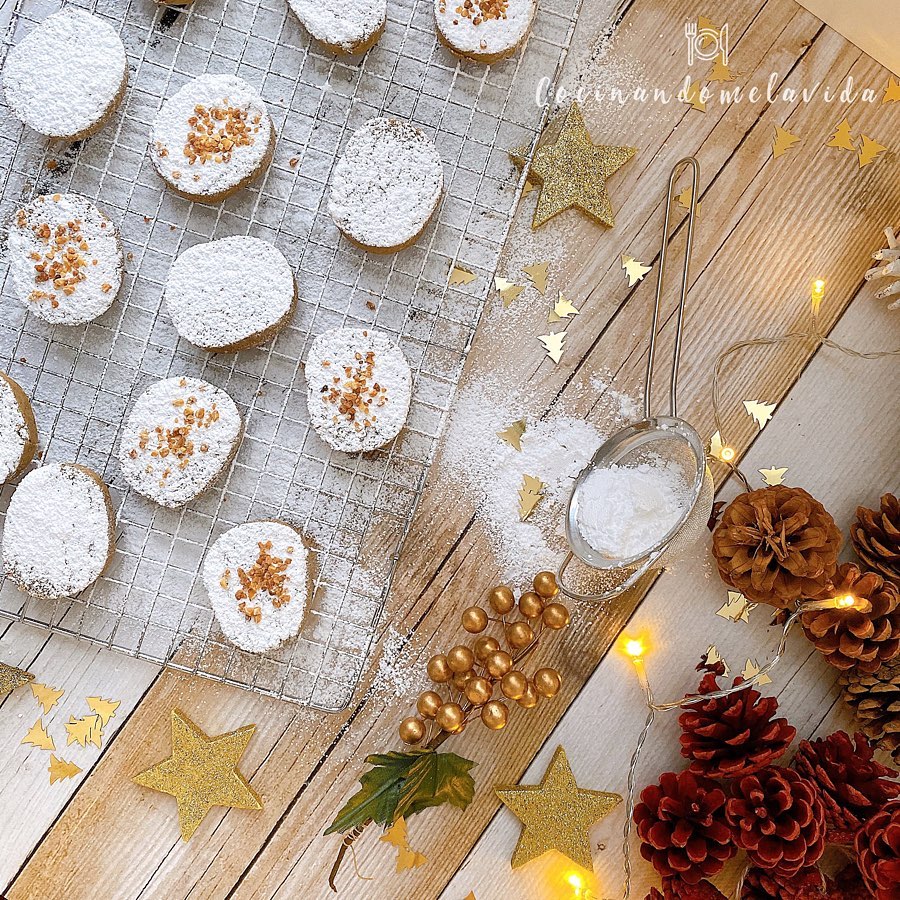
<point x="267" y="575"/>
<point x="354" y="396"/>
<point x="216" y="131"/>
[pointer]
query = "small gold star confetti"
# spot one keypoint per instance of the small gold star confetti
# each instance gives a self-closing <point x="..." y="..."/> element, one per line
<point x="869" y="151"/>
<point x="556" y="814"/>
<point x="774" y="476"/>
<point x="783" y="141"/>
<point x="634" y="269"/>
<point x="459" y="275"/>
<point x="202" y="772"/>
<point x="59" y="769"/>
<point x="530" y="495"/>
<point x="12" y="678"/>
<point x="892" y="91"/>
<point x="693" y="96"/>
<point x="47" y="696"/>
<point x="508" y="290"/>
<point x="761" y="412"/>
<point x="538" y="274"/>
<point x="713" y="657"/>
<point x="84" y="731"/>
<point x="37" y="736"/>
<point x="842" y="137"/>
<point x="106" y="709"/>
<point x="513" y="434"/>
<point x="553" y="344"/>
<point x="751" y="670"/>
<point x="407" y="858"/>
<point x="737" y="608"/>
<point x="573" y="172"/>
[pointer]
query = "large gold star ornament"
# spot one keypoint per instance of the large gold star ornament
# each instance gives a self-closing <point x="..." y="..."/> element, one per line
<point x="572" y="172"/>
<point x="202" y="772"/>
<point x="12" y="678"/>
<point x="556" y="814"/>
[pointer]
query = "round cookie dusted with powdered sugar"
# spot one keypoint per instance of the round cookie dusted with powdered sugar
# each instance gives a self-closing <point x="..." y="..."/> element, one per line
<point x="65" y="259"/>
<point x="59" y="531"/>
<point x="358" y="389"/>
<point x="212" y="137"/>
<point x="66" y="78"/>
<point x="230" y="294"/>
<point x="18" y="430"/>
<point x="386" y="186"/>
<point x="259" y="580"/>
<point x="179" y="437"/>
<point x="343" y="26"/>
<point x="484" y="30"/>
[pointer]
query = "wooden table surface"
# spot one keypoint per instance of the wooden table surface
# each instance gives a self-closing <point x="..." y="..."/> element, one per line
<point x="767" y="227"/>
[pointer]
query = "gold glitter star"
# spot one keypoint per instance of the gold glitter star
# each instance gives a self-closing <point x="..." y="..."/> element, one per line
<point x="202" y="772"/>
<point x="11" y="678"/>
<point x="573" y="171"/>
<point x="556" y="814"/>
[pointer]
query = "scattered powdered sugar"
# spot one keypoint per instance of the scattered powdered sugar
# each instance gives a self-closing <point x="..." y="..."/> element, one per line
<point x="386" y="185"/>
<point x="65" y="76"/>
<point x="180" y="435"/>
<point x="66" y="260"/>
<point x="58" y="534"/>
<point x="358" y="389"/>
<point x="234" y="123"/>
<point x="230" y="291"/>
<point x="481" y="33"/>
<point x="14" y="434"/>
<point x="625" y="511"/>
<point x="400" y="674"/>
<point x="257" y="578"/>
<point x="341" y="23"/>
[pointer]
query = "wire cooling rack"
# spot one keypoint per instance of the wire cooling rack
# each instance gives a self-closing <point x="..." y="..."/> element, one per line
<point x="150" y="603"/>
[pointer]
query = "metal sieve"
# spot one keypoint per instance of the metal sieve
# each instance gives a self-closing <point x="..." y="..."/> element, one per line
<point x="653" y="438"/>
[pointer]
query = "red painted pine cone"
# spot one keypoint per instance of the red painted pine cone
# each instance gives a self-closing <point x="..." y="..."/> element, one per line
<point x="674" y="889"/>
<point x="851" y="783"/>
<point x="847" y="885"/>
<point x="878" y="852"/>
<point x="778" y="818"/>
<point x="682" y="827"/>
<point x="807" y="884"/>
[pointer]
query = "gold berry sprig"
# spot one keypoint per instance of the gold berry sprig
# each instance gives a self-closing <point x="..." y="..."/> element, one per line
<point x="472" y="676"/>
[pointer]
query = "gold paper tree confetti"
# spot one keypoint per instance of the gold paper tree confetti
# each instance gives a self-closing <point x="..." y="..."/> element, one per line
<point x="553" y="344"/>
<point x="713" y="657"/>
<point x="843" y="137"/>
<point x="634" y="269"/>
<point x="47" y="696"/>
<point x="60" y="770"/>
<point x="37" y="736"/>
<point x="760" y="412"/>
<point x="892" y="91"/>
<point x="508" y="290"/>
<point x="869" y="151"/>
<point x="12" y="678"/>
<point x="407" y="858"/>
<point x="774" y="476"/>
<point x="106" y="709"/>
<point x="538" y="274"/>
<point x="693" y="96"/>
<point x="530" y="495"/>
<point x="513" y="434"/>
<point x="783" y="141"/>
<point x="459" y="275"/>
<point x="720" y="71"/>
<point x="750" y="670"/>
<point x="84" y="731"/>
<point x="563" y="309"/>
<point x="736" y="608"/>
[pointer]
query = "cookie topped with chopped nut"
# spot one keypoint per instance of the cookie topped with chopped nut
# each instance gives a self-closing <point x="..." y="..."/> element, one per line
<point x="484" y="30"/>
<point x="179" y="437"/>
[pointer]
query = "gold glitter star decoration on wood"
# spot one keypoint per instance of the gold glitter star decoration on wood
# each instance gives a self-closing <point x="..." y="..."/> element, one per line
<point x="556" y="814"/>
<point x="572" y="172"/>
<point x="202" y="772"/>
<point x="12" y="678"/>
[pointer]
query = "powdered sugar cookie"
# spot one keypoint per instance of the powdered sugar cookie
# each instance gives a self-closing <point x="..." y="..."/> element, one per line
<point x="343" y="26"/>
<point x="484" y="30"/>
<point x="358" y="387"/>
<point x="66" y="78"/>
<point x="386" y="186"/>
<point x="181" y="434"/>
<point x="230" y="294"/>
<point x="65" y="259"/>
<point x="59" y="532"/>
<point x="212" y="137"/>
<point x="18" y="430"/>
<point x="259" y="579"/>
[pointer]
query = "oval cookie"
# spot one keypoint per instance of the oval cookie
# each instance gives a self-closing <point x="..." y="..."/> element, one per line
<point x="18" y="431"/>
<point x="179" y="437"/>
<point x="66" y="78"/>
<point x="59" y="531"/>
<point x="230" y="294"/>
<point x="343" y="26"/>
<point x="259" y="577"/>
<point x="484" y="30"/>
<point x="386" y="186"/>
<point x="359" y="387"/>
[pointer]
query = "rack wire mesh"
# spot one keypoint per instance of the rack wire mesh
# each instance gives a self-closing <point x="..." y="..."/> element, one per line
<point x="82" y="380"/>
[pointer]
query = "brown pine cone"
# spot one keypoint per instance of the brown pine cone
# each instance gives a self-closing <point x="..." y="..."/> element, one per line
<point x="851" y="783"/>
<point x="778" y="818"/>
<point x="876" y="537"/>
<point x="682" y="827"/>
<point x="776" y="545"/>
<point x="732" y="736"/>
<point x="875" y="701"/>
<point x="878" y="852"/>
<point x="674" y="889"/>
<point x="850" y="638"/>
<point x="759" y="884"/>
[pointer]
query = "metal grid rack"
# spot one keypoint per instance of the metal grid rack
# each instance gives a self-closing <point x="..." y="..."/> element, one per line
<point x="150" y="602"/>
